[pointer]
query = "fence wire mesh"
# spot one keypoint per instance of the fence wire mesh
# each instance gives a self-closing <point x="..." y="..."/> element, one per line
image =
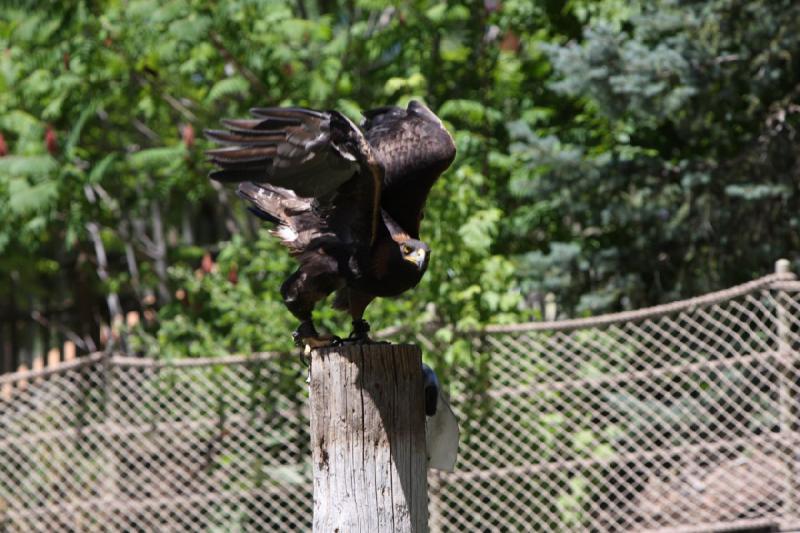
<point x="677" y="418"/>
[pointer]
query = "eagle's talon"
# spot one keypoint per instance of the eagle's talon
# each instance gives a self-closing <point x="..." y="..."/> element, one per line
<point x="321" y="341"/>
<point x="297" y="339"/>
<point x="305" y="330"/>
<point x="306" y="337"/>
<point x="360" y="334"/>
<point x="304" y="356"/>
<point x="360" y="327"/>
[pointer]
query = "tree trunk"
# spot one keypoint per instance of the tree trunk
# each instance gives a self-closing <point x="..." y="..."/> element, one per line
<point x="368" y="439"/>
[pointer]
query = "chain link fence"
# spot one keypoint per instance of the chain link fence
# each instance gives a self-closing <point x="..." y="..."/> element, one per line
<point x="681" y="417"/>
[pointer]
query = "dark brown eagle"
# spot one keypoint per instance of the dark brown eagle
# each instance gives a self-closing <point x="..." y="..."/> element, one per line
<point x="347" y="201"/>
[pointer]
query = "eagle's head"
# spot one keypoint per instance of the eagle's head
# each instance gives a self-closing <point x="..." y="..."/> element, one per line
<point x="416" y="252"/>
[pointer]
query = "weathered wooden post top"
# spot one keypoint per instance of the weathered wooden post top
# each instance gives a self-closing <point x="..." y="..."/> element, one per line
<point x="368" y="439"/>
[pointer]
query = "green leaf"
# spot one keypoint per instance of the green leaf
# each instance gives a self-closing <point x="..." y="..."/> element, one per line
<point x="469" y="111"/>
<point x="40" y="166"/>
<point x="75" y="132"/>
<point x="454" y="50"/>
<point x="478" y="232"/>
<point x="413" y="83"/>
<point x="25" y="198"/>
<point x="99" y="170"/>
<point x="436" y="13"/>
<point x="228" y="87"/>
<point x="156" y="158"/>
<point x="757" y="191"/>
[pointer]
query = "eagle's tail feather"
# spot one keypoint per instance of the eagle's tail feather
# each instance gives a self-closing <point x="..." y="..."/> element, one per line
<point x="263" y="215"/>
<point x="265" y="201"/>
<point x="280" y="206"/>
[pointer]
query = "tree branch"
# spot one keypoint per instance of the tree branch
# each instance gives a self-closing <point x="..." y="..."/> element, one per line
<point x="243" y="70"/>
<point x="160" y="256"/>
<point x="84" y="343"/>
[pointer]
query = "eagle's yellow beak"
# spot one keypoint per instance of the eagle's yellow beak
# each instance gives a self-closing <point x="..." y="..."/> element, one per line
<point x="418" y="257"/>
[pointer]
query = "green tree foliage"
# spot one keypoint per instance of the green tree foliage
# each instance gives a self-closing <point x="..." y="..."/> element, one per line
<point x="678" y="172"/>
<point x="616" y="153"/>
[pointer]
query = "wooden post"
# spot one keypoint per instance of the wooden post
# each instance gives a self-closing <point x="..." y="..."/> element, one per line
<point x="368" y="439"/>
<point x="22" y="384"/>
<point x="6" y="391"/>
<point x="69" y="351"/>
<point x="37" y="366"/>
<point x="53" y="357"/>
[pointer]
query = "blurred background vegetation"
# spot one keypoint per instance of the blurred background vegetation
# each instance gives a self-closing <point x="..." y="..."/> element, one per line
<point x="615" y="153"/>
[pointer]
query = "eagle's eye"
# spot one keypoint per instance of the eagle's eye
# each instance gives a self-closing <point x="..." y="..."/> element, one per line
<point x="406" y="249"/>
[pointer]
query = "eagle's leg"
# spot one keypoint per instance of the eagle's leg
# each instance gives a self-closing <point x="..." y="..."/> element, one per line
<point x="358" y="302"/>
<point x="300" y="293"/>
<point x="360" y="331"/>
<point x="305" y="332"/>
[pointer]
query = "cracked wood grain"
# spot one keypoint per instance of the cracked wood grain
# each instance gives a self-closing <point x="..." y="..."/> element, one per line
<point x="368" y="439"/>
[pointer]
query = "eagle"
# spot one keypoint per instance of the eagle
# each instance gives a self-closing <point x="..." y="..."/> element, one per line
<point x="346" y="201"/>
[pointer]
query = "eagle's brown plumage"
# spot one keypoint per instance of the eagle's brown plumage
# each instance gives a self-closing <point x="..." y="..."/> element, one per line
<point x="347" y="203"/>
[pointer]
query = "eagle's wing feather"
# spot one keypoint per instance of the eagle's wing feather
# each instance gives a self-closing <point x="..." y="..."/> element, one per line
<point x="309" y="152"/>
<point x="312" y="171"/>
<point x="414" y="148"/>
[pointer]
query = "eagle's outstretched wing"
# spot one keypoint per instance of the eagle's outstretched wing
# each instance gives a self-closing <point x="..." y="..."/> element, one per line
<point x="414" y="148"/>
<point x="311" y="171"/>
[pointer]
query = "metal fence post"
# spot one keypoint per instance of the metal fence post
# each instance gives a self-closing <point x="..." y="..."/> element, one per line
<point x="787" y="398"/>
<point x="110" y="456"/>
